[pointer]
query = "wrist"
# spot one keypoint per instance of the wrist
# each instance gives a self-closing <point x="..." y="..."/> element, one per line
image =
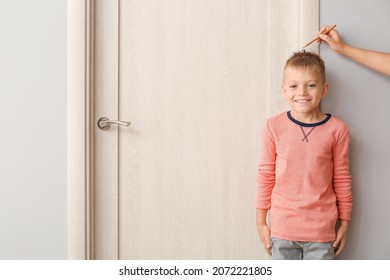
<point x="344" y="223"/>
<point x="345" y="50"/>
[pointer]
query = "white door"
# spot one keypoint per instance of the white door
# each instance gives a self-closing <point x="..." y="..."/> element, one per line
<point x="193" y="78"/>
<point x="185" y="73"/>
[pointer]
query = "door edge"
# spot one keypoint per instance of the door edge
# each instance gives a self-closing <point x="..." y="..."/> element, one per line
<point x="80" y="155"/>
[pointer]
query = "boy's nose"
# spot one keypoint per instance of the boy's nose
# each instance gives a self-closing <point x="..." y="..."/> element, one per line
<point x="303" y="91"/>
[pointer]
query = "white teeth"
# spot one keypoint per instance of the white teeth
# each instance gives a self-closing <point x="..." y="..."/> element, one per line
<point x="301" y="101"/>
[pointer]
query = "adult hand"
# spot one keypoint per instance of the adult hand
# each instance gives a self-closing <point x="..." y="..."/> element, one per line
<point x="333" y="39"/>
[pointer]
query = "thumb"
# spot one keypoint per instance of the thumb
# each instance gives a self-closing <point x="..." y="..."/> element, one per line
<point x="268" y="243"/>
<point x="268" y="246"/>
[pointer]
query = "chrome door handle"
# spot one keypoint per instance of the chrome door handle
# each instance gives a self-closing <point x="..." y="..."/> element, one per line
<point x="105" y="123"/>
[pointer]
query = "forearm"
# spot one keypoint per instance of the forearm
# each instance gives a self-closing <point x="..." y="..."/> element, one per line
<point x="261" y="217"/>
<point x="261" y="221"/>
<point x="378" y="61"/>
<point x="344" y="224"/>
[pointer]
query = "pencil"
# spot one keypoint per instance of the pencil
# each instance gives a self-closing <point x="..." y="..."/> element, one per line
<point x="315" y="39"/>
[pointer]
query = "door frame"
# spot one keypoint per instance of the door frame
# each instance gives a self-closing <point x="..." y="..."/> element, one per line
<point x="80" y="98"/>
<point x="286" y="33"/>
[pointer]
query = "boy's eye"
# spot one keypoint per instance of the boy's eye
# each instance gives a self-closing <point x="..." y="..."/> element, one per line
<point x="293" y="86"/>
<point x="311" y="85"/>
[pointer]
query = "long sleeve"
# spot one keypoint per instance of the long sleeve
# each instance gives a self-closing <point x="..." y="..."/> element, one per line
<point x="266" y="170"/>
<point x="342" y="178"/>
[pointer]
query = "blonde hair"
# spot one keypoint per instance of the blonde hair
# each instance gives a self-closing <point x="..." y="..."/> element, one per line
<point x="308" y="61"/>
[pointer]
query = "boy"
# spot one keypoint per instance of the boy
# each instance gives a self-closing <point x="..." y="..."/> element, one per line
<point x="304" y="179"/>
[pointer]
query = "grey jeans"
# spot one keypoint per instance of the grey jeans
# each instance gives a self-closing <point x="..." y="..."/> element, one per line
<point x="296" y="250"/>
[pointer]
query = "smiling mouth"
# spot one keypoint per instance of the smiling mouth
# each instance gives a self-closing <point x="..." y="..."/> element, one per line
<point x="301" y="101"/>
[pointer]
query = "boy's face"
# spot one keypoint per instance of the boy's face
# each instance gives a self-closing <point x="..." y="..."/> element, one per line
<point x="303" y="89"/>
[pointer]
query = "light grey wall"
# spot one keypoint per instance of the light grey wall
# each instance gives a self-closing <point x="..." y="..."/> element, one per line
<point x="33" y="125"/>
<point x="33" y="129"/>
<point x="361" y="97"/>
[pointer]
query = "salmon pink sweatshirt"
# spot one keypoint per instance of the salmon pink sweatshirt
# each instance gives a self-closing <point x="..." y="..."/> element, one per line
<point x="304" y="177"/>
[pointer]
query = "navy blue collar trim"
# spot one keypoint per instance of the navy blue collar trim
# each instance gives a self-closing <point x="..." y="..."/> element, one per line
<point x="308" y="124"/>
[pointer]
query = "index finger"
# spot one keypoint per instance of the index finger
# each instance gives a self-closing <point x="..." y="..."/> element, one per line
<point x="324" y="29"/>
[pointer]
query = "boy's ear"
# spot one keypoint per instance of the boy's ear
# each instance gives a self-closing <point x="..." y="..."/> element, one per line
<point x="283" y="88"/>
<point x="325" y="90"/>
